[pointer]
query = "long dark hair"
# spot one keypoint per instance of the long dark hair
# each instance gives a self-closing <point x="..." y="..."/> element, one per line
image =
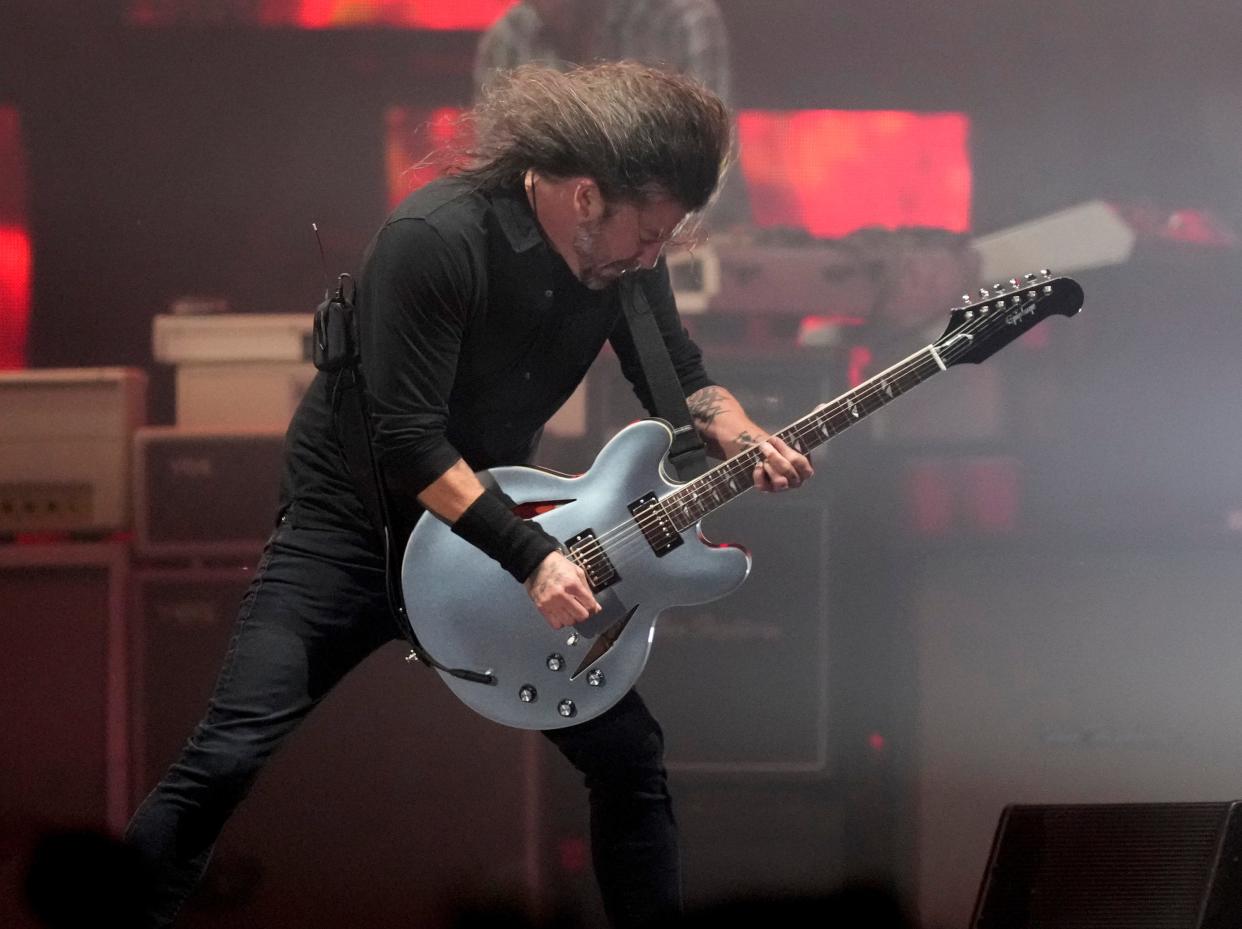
<point x="638" y="132"/>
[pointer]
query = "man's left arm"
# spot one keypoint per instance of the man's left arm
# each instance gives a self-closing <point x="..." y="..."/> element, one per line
<point x="716" y="413"/>
<point x="728" y="431"/>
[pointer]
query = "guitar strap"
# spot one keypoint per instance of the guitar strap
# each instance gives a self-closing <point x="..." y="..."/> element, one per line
<point x="688" y="455"/>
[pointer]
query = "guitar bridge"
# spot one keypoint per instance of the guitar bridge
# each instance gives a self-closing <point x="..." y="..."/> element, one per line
<point x="586" y="552"/>
<point x="657" y="528"/>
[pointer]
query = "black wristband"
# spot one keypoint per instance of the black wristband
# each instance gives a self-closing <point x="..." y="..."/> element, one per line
<point x="518" y="544"/>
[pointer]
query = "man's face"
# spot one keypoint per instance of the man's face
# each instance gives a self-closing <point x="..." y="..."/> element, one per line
<point x="628" y="238"/>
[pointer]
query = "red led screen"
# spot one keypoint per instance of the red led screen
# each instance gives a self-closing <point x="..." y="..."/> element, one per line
<point x="321" y="14"/>
<point x="14" y="244"/>
<point x="828" y="172"/>
<point x="832" y="172"/>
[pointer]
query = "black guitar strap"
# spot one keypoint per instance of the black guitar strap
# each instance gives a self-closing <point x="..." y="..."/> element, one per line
<point x="335" y="349"/>
<point x="688" y="455"/>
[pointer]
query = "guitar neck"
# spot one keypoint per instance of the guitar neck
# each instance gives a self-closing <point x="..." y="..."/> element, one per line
<point x="691" y="502"/>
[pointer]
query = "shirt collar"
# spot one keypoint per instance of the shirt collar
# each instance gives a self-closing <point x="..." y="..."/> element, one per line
<point x="514" y="214"/>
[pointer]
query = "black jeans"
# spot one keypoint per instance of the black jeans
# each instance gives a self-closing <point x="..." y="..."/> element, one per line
<point x="314" y="610"/>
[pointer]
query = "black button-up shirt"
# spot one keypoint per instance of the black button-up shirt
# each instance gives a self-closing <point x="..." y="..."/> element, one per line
<point x="473" y="334"/>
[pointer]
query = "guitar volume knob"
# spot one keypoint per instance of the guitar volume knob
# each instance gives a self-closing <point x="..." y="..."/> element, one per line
<point x="567" y="708"/>
<point x="528" y="694"/>
<point x="596" y="678"/>
<point x="556" y="662"/>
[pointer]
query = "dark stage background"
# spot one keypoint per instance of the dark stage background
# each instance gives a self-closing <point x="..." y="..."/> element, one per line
<point x="1082" y="645"/>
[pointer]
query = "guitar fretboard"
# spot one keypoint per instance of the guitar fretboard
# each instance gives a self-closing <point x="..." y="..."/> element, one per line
<point x="689" y="504"/>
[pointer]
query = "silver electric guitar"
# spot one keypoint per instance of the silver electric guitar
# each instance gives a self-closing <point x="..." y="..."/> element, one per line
<point x="635" y="532"/>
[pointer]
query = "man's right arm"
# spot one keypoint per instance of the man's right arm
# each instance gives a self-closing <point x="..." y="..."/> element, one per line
<point x="558" y="587"/>
<point x="415" y="294"/>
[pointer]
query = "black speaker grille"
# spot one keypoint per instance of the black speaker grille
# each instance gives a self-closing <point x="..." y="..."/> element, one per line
<point x="1124" y="866"/>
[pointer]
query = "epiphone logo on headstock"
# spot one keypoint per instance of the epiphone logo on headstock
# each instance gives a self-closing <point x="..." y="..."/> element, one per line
<point x="1016" y="316"/>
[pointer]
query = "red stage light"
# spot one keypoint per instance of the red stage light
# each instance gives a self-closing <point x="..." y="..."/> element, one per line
<point x="15" y="257"/>
<point x="471" y="15"/>
<point x="414" y="136"/>
<point x="832" y="172"/>
<point x="14" y="295"/>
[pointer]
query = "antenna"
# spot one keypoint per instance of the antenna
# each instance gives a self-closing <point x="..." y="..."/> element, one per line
<point x="323" y="260"/>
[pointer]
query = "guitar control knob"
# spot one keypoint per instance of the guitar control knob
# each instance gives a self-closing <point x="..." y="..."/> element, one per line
<point x="596" y="678"/>
<point x="556" y="662"/>
<point x="528" y="694"/>
<point x="573" y="639"/>
<point x="567" y="709"/>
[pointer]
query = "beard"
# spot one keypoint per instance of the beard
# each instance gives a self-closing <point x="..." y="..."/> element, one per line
<point x="591" y="272"/>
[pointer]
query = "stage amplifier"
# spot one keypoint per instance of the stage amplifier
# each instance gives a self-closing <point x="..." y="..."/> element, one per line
<point x="205" y="494"/>
<point x="1095" y="866"/>
<point x="64" y="448"/>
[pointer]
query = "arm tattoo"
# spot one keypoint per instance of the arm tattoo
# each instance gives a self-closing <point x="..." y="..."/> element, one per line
<point x="745" y="439"/>
<point x="706" y="405"/>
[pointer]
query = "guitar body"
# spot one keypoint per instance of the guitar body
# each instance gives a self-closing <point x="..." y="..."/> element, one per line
<point x="468" y="612"/>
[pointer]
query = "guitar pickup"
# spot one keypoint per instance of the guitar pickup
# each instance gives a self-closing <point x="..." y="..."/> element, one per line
<point x="657" y="528"/>
<point x="586" y="552"/>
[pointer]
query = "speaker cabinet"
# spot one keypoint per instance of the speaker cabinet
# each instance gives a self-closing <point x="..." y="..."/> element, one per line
<point x="1093" y="676"/>
<point x="205" y="494"/>
<point x="62" y="684"/>
<point x="1142" y="866"/>
<point x="741" y="688"/>
<point x="391" y="804"/>
<point x="740" y="685"/>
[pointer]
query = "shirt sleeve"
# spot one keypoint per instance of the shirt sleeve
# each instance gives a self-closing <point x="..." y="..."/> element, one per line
<point x="414" y="302"/>
<point x="686" y="356"/>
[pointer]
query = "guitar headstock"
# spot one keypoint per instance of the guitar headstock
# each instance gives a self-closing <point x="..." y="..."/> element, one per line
<point x="1002" y="313"/>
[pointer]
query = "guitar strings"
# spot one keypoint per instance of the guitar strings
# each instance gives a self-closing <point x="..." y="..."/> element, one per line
<point x="742" y="465"/>
<point x="620" y="540"/>
<point x="590" y="555"/>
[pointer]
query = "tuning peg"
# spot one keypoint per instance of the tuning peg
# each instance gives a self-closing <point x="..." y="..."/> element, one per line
<point x="1045" y="272"/>
<point x="983" y="293"/>
<point x="1013" y="282"/>
<point x="966" y="298"/>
